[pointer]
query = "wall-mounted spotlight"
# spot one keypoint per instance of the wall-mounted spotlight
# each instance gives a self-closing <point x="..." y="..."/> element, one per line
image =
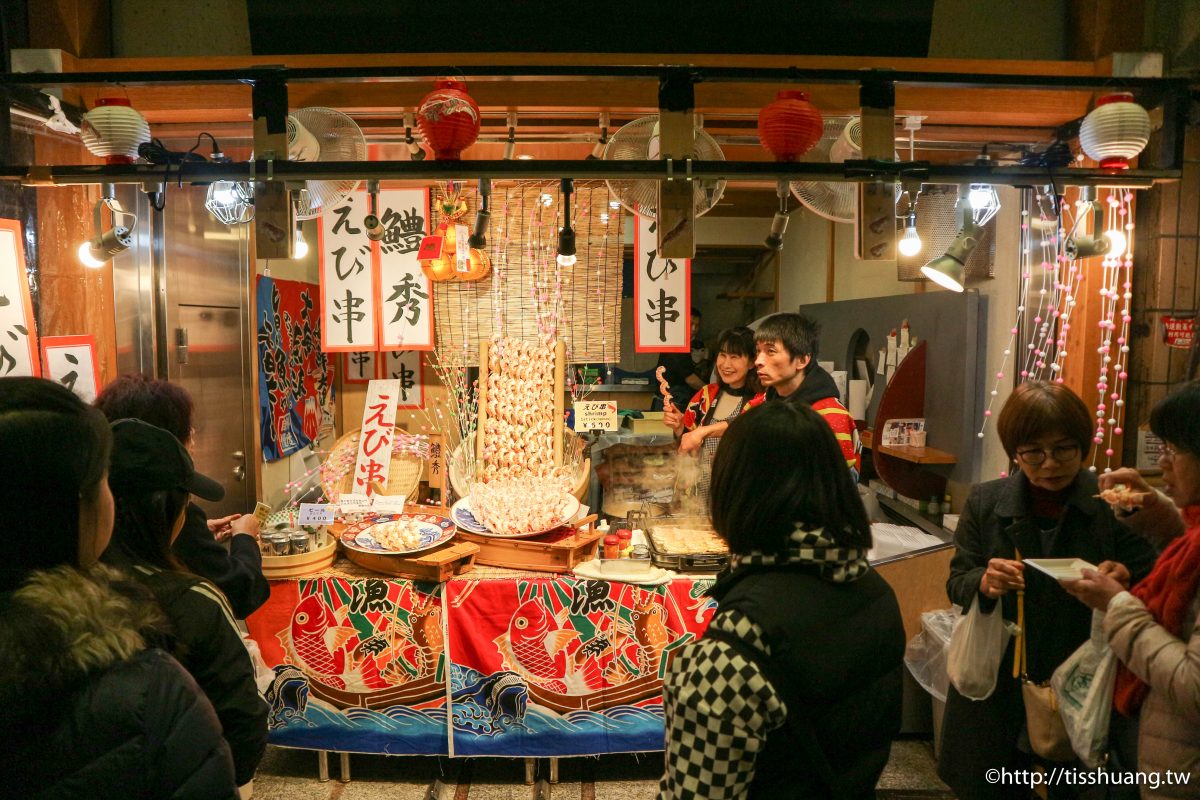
<point x="510" y="144"/>
<point x="566" y="236"/>
<point x="1082" y="245"/>
<point x="105" y="244"/>
<point x="371" y="224"/>
<point x="774" y="240"/>
<point x="483" y="216"/>
<point x="415" y="153"/>
<point x="602" y="142"/>
<point x="947" y="270"/>
<point x="300" y="248"/>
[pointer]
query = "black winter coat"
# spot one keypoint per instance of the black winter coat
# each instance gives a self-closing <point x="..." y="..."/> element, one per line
<point x="236" y="570"/>
<point x="978" y="735"/>
<point x="837" y="653"/>
<point x="88" y="710"/>
<point x="210" y="646"/>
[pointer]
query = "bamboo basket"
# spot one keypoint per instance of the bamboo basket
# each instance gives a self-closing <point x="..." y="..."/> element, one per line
<point x="404" y="471"/>
<point x="277" y="568"/>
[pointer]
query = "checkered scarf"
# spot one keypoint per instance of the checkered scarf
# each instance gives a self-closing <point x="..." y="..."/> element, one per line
<point x="837" y="564"/>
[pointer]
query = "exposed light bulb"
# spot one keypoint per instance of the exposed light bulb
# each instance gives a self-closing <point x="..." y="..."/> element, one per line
<point x="1117" y="241"/>
<point x="546" y="199"/>
<point x="87" y="258"/>
<point x="300" y="250"/>
<point x="565" y="260"/>
<point x="614" y="204"/>
<point x="980" y="196"/>
<point x="910" y="243"/>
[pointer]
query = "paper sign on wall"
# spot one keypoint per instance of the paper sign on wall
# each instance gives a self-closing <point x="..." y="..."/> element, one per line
<point x="71" y="360"/>
<point x="406" y="315"/>
<point x="661" y="295"/>
<point x="361" y="367"/>
<point x="375" y="437"/>
<point x="349" y="291"/>
<point x="18" y="335"/>
<point x="596" y="415"/>
<point x="407" y="367"/>
<point x="1178" y="332"/>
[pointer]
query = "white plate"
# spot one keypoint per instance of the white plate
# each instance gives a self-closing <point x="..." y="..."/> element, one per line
<point x="435" y="530"/>
<point x="655" y="577"/>
<point x="570" y="510"/>
<point x="1061" y="569"/>
<point x="464" y="517"/>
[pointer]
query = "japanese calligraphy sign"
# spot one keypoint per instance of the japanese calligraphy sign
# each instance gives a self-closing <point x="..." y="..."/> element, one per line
<point x="406" y="316"/>
<point x="375" y="438"/>
<point x="407" y="367"/>
<point x="361" y="367"/>
<point x="71" y="360"/>
<point x="349" y="291"/>
<point x="662" y="300"/>
<point x="1178" y="332"/>
<point x="18" y="335"/>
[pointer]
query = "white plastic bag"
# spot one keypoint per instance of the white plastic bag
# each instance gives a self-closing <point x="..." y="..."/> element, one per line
<point x="925" y="655"/>
<point x="1084" y="687"/>
<point x="976" y="647"/>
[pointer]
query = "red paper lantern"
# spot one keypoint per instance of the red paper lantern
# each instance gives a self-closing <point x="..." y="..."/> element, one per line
<point x="448" y="118"/>
<point x="790" y="126"/>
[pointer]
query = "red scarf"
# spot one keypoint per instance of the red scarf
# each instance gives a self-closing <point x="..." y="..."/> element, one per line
<point x="1167" y="592"/>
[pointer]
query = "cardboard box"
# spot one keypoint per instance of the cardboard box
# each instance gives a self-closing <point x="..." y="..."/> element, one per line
<point x="651" y="422"/>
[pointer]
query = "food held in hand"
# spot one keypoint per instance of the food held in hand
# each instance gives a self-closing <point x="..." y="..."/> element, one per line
<point x="1124" y="497"/>
<point x="663" y="387"/>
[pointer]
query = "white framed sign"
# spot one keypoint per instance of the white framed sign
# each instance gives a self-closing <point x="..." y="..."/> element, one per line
<point x="405" y="293"/>
<point x="596" y="415"/>
<point x="71" y="360"/>
<point x="349" y="279"/>
<point x="662" y="301"/>
<point x="361" y="367"/>
<point x="407" y="367"/>
<point x="18" y="331"/>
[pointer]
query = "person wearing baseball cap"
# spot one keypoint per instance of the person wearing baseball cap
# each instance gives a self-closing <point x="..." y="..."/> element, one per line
<point x="151" y="477"/>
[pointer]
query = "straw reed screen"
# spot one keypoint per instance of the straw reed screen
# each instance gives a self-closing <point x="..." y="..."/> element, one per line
<point x="528" y="295"/>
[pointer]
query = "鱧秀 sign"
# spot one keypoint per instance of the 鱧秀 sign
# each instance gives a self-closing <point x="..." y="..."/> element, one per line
<point x="596" y="415"/>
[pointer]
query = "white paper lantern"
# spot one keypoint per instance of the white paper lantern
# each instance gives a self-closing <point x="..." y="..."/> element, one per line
<point x="1115" y="131"/>
<point x="113" y="130"/>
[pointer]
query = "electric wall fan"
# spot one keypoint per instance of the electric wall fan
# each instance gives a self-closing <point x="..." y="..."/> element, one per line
<point x="638" y="141"/>
<point x="833" y="200"/>
<point x="323" y="134"/>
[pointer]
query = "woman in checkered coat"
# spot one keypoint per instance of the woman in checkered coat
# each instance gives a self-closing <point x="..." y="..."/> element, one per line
<point x="794" y="691"/>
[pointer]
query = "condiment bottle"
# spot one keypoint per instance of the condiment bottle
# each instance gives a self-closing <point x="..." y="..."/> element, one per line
<point x="612" y="546"/>
<point x="624" y="541"/>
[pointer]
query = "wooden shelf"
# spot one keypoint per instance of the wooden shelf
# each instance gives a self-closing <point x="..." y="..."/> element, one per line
<point x="746" y="295"/>
<point x="917" y="455"/>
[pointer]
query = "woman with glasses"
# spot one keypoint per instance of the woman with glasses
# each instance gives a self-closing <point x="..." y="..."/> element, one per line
<point x="1152" y="627"/>
<point x="1047" y="508"/>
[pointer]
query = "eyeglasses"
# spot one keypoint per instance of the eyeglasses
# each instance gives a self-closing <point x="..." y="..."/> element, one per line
<point x="1061" y="453"/>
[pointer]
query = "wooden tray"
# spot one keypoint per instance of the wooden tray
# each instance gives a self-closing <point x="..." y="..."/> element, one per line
<point x="436" y="565"/>
<point x="280" y="567"/>
<point x="557" y="551"/>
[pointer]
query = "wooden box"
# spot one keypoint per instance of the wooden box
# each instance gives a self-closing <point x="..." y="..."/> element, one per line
<point x="557" y="551"/>
<point x="297" y="566"/>
<point x="436" y="566"/>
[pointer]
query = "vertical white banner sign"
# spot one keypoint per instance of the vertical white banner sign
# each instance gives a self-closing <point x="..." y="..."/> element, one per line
<point x="18" y="334"/>
<point x="375" y="437"/>
<point x="662" y="301"/>
<point x="349" y="289"/>
<point x="406" y="297"/>
<point x="408" y="367"/>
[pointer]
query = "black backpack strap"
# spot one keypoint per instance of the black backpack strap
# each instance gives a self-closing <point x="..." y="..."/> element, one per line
<point x="806" y="735"/>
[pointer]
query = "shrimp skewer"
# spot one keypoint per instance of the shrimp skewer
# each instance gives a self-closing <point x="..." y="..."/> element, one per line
<point x="663" y="387"/>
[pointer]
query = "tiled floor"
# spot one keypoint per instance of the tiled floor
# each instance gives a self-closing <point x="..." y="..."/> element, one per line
<point x="292" y="774"/>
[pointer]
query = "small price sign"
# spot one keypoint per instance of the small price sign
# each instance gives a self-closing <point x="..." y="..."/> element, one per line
<point x="315" y="514"/>
<point x="351" y="503"/>
<point x="389" y="504"/>
<point x="596" y="415"/>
